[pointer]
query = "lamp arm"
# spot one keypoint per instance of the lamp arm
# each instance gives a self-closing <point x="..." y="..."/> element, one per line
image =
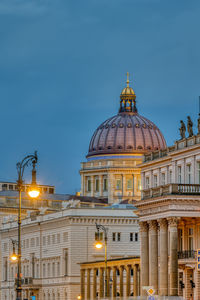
<point x="24" y="163"/>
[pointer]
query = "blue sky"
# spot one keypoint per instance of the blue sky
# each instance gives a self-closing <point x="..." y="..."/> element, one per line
<point x="63" y="66"/>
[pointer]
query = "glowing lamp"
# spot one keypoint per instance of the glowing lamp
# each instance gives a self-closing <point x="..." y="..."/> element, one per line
<point x="98" y="245"/>
<point x="33" y="192"/>
<point x="79" y="297"/>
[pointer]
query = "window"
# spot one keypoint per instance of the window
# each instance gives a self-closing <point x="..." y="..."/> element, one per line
<point x="53" y="269"/>
<point x="147" y="182"/>
<point x="12" y="273"/>
<point x="118" y="236"/>
<point x="53" y="239"/>
<point x="5" y="268"/>
<point x="44" y="241"/>
<point x="155" y="180"/>
<point x="27" y="271"/>
<point x="37" y="241"/>
<point x="58" y="268"/>
<point x="32" y="242"/>
<point x="105" y="184"/>
<point x="163" y="178"/>
<point x="198" y="172"/>
<point x="37" y="271"/>
<point x="179" y="174"/>
<point x="136" y="237"/>
<point x="10" y="187"/>
<point x="58" y="238"/>
<point x="66" y="261"/>
<point x="65" y="236"/>
<point x="5" y="246"/>
<point x="49" y="240"/>
<point x="118" y="184"/>
<point x="180" y="239"/>
<point x="113" y="236"/>
<point x="27" y="243"/>
<point x="170" y="176"/>
<point x="44" y="270"/>
<point x="97" y="185"/>
<point x="51" y="190"/>
<point x="89" y="185"/>
<point x="129" y="184"/>
<point x="139" y="185"/>
<point x="190" y="238"/>
<point x="188" y="174"/>
<point x="131" y="237"/>
<point x="98" y="236"/>
<point x="48" y="270"/>
<point x="33" y="264"/>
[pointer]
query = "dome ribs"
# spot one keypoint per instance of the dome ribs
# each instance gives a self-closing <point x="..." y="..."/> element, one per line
<point x="139" y="121"/>
<point x="133" y="127"/>
<point x="149" y="132"/>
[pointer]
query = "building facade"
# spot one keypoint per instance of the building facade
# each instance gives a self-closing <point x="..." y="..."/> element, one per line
<point x="116" y="150"/>
<point x="169" y="214"/>
<point x="54" y="245"/>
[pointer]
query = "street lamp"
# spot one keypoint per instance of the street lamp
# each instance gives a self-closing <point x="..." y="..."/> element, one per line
<point x="33" y="193"/>
<point x="99" y="245"/>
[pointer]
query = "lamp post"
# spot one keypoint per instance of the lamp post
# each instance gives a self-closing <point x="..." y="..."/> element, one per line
<point x="33" y="193"/>
<point x="99" y="245"/>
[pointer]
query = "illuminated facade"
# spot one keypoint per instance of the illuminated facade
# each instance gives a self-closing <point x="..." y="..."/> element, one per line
<point x="116" y="150"/>
<point x="169" y="215"/>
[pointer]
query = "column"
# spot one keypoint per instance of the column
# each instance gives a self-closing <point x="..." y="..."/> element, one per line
<point x="135" y="281"/>
<point x="163" y="290"/>
<point x="94" y="283"/>
<point x="114" y="285"/>
<point x="128" y="283"/>
<point x="82" y="185"/>
<point x="173" y="262"/>
<point x="82" y="284"/>
<point x="144" y="254"/>
<point x="101" y="283"/>
<point x="121" y="287"/>
<point x="153" y="255"/>
<point x="88" y="284"/>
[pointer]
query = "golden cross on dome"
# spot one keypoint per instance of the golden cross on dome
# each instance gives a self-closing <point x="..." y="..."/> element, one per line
<point x="127" y="81"/>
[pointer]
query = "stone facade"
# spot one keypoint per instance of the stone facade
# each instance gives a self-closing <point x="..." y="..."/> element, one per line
<point x="169" y="214"/>
<point x="53" y="245"/>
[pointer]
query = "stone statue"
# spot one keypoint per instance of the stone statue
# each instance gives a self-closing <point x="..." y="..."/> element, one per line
<point x="198" y="124"/>
<point x="182" y="130"/>
<point x="189" y="127"/>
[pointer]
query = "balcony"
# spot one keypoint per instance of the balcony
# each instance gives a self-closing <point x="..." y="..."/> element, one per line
<point x="171" y="189"/>
<point x="187" y="254"/>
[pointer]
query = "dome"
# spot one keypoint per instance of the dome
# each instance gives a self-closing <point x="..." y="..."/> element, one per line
<point x="127" y="132"/>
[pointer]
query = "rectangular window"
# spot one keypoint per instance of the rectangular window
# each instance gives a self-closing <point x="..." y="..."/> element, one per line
<point x="179" y="175"/>
<point x="44" y="240"/>
<point x="180" y="239"/>
<point x="188" y="174"/>
<point x="170" y="176"/>
<point x="98" y="236"/>
<point x="37" y="241"/>
<point x="97" y="185"/>
<point x="198" y="172"/>
<point x="114" y="236"/>
<point x="48" y="270"/>
<point x="53" y="269"/>
<point x="53" y="239"/>
<point x="155" y="180"/>
<point x="105" y="184"/>
<point x="48" y="240"/>
<point x="66" y="261"/>
<point x="118" y="184"/>
<point x="163" y="178"/>
<point x="89" y="185"/>
<point x="27" y="243"/>
<point x="129" y="184"/>
<point x="190" y="239"/>
<point x="118" y="236"/>
<point x="58" y="238"/>
<point x="5" y="260"/>
<point x="65" y="236"/>
<point x="136" y="237"/>
<point x="131" y="237"/>
<point x="44" y="270"/>
<point x="147" y="182"/>
<point x="58" y="269"/>
<point x="37" y="271"/>
<point x="32" y="242"/>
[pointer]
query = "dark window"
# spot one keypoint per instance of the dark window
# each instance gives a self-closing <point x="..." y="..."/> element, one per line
<point x="136" y="237"/>
<point x="113" y="236"/>
<point x="51" y="190"/>
<point x="131" y="237"/>
<point x="119" y="236"/>
<point x="118" y="272"/>
<point x="4" y="187"/>
<point x="10" y="187"/>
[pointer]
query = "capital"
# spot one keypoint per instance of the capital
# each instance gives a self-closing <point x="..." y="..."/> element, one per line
<point x="173" y="221"/>
<point x="163" y="223"/>
<point x="143" y="226"/>
<point x="153" y="225"/>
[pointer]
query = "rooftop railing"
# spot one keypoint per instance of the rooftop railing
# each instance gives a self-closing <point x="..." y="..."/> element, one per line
<point x="171" y="189"/>
<point x="187" y="254"/>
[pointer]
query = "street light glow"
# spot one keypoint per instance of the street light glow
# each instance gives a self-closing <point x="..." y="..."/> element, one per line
<point x="98" y="245"/>
<point x="14" y="257"/>
<point x="33" y="192"/>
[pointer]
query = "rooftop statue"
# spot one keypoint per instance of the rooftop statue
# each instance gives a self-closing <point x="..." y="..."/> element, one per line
<point x="189" y="126"/>
<point x="182" y="130"/>
<point x="198" y="124"/>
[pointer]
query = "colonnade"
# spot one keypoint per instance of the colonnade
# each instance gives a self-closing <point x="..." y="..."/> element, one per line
<point x="119" y="280"/>
<point x="159" y="235"/>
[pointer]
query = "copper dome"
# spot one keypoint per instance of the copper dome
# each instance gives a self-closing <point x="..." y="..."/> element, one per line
<point x="126" y="132"/>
